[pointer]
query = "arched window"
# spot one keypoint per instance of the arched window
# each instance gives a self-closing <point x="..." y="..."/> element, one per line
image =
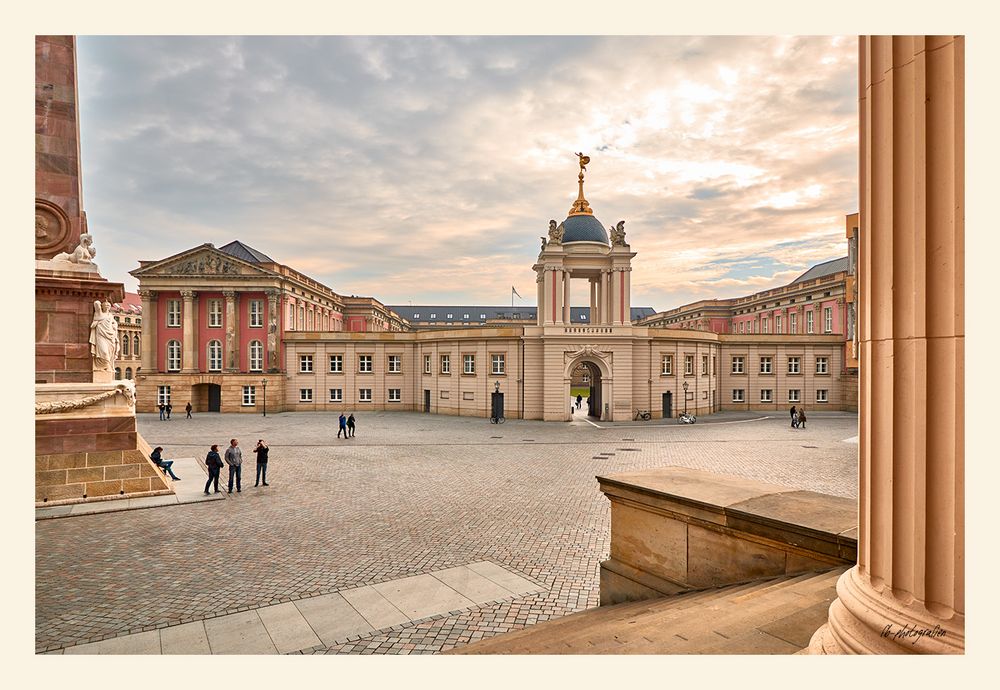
<point x="173" y="355"/>
<point x="118" y="373"/>
<point x="128" y="372"/>
<point x="256" y="355"/>
<point x="215" y="355"/>
<point x="135" y="346"/>
<point x="125" y="344"/>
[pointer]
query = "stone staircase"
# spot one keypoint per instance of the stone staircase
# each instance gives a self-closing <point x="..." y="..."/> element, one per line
<point x="774" y="616"/>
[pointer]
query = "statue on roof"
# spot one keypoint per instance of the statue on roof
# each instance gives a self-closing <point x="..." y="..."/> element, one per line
<point x="83" y="254"/>
<point x="555" y="232"/>
<point x="584" y="160"/>
<point x="618" y="234"/>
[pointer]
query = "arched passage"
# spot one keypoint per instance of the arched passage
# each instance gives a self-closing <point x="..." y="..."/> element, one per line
<point x="598" y="382"/>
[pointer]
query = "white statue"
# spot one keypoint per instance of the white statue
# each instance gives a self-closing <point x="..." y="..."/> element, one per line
<point x="104" y="342"/>
<point x="83" y="254"/>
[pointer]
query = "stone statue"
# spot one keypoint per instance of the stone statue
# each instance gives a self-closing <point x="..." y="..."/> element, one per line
<point x="104" y="342"/>
<point x="555" y="233"/>
<point x="618" y="234"/>
<point x="543" y="243"/>
<point x="83" y="254"/>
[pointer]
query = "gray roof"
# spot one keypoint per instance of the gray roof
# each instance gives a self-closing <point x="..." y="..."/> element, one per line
<point x="423" y="313"/>
<point x="584" y="228"/>
<point x="246" y="253"/>
<point x="827" y="268"/>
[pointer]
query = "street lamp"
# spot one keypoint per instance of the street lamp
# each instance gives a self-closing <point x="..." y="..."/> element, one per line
<point x="685" y="386"/>
<point x="263" y="382"/>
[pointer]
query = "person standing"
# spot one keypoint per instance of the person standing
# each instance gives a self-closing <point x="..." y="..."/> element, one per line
<point x="343" y="426"/>
<point x="163" y="412"/>
<point x="350" y="424"/>
<point x="187" y="408"/>
<point x="164" y="465"/>
<point x="169" y="407"/>
<point x="802" y="418"/>
<point x="579" y="401"/>
<point x="234" y="458"/>
<point x="261" y="451"/>
<point x="795" y="420"/>
<point x="791" y="413"/>
<point x="214" y="464"/>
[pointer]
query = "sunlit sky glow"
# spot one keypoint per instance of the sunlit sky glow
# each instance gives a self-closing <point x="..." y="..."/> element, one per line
<point x="424" y="170"/>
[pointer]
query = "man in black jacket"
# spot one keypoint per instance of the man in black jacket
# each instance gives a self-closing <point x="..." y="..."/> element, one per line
<point x="214" y="464"/>
<point x="261" y="451"/>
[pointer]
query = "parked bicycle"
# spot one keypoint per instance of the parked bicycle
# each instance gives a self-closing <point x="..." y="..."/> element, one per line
<point x="644" y="415"/>
<point x="497" y="420"/>
<point x="685" y="418"/>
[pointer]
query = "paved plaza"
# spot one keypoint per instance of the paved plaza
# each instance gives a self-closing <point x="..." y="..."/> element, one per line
<point x="411" y="495"/>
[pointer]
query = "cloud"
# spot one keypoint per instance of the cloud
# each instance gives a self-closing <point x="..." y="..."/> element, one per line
<point x="424" y="169"/>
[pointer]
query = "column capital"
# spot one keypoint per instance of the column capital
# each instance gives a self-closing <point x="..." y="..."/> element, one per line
<point x="150" y="295"/>
<point x="229" y="295"/>
<point x="272" y="294"/>
<point x="188" y="295"/>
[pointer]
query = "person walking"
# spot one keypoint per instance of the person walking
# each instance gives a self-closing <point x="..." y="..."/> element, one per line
<point x="261" y="451"/>
<point x="187" y="408"/>
<point x="350" y="424"/>
<point x="165" y="465"/>
<point x="234" y="458"/>
<point x="795" y="420"/>
<point x="214" y="464"/>
<point x="579" y="401"/>
<point x="169" y="407"/>
<point x="163" y="412"/>
<point x="791" y="413"/>
<point x="343" y="426"/>
<point x="802" y="418"/>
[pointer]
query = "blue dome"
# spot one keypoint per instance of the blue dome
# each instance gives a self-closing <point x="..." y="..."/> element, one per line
<point x="584" y="228"/>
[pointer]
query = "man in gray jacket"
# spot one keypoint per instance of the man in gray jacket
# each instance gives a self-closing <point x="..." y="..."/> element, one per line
<point x="234" y="458"/>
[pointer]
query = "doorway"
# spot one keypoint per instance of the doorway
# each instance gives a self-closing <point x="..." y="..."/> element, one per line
<point x="668" y="405"/>
<point x="214" y="397"/>
<point x="427" y="400"/>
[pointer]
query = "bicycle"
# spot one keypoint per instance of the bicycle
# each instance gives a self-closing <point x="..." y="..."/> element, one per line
<point x="685" y="418"/>
<point x="497" y="420"/>
<point x="644" y="415"/>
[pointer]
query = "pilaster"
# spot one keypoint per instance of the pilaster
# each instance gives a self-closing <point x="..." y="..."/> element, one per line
<point x="149" y="304"/>
<point x="232" y="332"/>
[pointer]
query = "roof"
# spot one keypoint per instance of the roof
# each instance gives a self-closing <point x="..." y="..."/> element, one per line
<point x="475" y="313"/>
<point x="246" y="253"/>
<point x="132" y="304"/>
<point x="827" y="268"/>
<point x="584" y="228"/>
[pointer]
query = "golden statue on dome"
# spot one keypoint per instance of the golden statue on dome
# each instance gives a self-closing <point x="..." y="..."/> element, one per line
<point x="580" y="206"/>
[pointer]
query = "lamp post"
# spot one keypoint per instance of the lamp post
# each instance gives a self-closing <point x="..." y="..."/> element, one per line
<point x="685" y="386"/>
<point x="263" y="382"/>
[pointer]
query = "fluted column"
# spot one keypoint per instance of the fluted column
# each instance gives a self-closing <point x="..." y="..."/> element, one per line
<point x="549" y="294"/>
<point x="540" y="287"/>
<point x="627" y="310"/>
<point x="188" y="347"/>
<point x="910" y="574"/>
<point x="567" y="319"/>
<point x="232" y="331"/>
<point x="605" y="297"/>
<point x="272" y="330"/>
<point x="148" y="344"/>
<point x="593" y="301"/>
<point x="615" y="311"/>
<point x="557" y="290"/>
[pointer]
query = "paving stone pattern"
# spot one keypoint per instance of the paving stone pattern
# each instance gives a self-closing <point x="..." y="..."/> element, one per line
<point x="409" y="495"/>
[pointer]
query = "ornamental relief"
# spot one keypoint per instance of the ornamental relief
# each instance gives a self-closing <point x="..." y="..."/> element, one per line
<point x="202" y="265"/>
<point x="588" y="351"/>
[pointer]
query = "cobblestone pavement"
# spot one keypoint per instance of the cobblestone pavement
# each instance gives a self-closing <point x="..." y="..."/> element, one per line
<point x="410" y="494"/>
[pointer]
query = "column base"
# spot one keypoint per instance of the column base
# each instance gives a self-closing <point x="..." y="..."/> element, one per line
<point x="865" y="621"/>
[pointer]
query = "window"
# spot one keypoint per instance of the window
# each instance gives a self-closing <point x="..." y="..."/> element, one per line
<point x="793" y="323"/>
<point x="765" y="327"/>
<point x="256" y="355"/>
<point x="395" y="364"/>
<point x="174" y="313"/>
<point x="395" y="395"/>
<point x="118" y="372"/>
<point x="364" y="395"/>
<point x="309" y="322"/>
<point x="445" y="364"/>
<point x="482" y="316"/>
<point x="667" y="365"/>
<point x="465" y="316"/>
<point x="163" y="395"/>
<point x="291" y="317"/>
<point x="793" y="365"/>
<point x="499" y="362"/>
<point x="737" y="395"/>
<point x="427" y="364"/>
<point x="777" y="324"/>
<point x="688" y="365"/>
<point x="794" y="395"/>
<point x="743" y="326"/>
<point x="215" y="313"/>
<point x="469" y="364"/>
<point x="822" y="395"/>
<point x="737" y="365"/>
<point x="809" y="321"/>
<point x="336" y="364"/>
<point x="306" y="395"/>
<point x="249" y="395"/>
<point x="302" y="318"/>
<point x="305" y="364"/>
<point x="135" y="346"/>
<point x="434" y="316"/>
<point x="765" y="365"/>
<point x="173" y="355"/>
<point x="822" y="365"/>
<point x="336" y="395"/>
<point x="416" y="315"/>
<point x="256" y="313"/>
<point x="765" y="395"/>
<point x="828" y="320"/>
<point x="125" y="342"/>
<point x="128" y="372"/>
<point x="365" y="364"/>
<point x="450" y="316"/>
<point x="214" y="355"/>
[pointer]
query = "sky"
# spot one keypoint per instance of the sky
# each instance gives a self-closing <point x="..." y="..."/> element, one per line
<point x="424" y="170"/>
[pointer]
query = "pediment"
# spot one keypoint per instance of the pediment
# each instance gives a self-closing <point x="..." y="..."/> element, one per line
<point x="201" y="261"/>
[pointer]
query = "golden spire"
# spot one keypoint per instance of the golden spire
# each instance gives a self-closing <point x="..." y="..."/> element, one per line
<point x="580" y="206"/>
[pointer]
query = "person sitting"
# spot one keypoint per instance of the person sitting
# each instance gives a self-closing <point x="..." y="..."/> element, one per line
<point x="164" y="465"/>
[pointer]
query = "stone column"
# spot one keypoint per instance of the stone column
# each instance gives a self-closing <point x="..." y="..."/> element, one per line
<point x="593" y="301"/>
<point x="605" y="297"/>
<point x="627" y="312"/>
<point x="188" y="345"/>
<point x="232" y="362"/>
<point x="540" y="286"/>
<point x="910" y="574"/>
<point x="557" y="290"/>
<point x="148" y="344"/>
<point x="548" y="288"/>
<point x="567" y="319"/>
<point x="615" y="311"/>
<point x="272" y="354"/>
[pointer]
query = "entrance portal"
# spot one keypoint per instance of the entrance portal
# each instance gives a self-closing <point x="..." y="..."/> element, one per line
<point x="668" y="405"/>
<point x="593" y="401"/>
<point x="206" y="397"/>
